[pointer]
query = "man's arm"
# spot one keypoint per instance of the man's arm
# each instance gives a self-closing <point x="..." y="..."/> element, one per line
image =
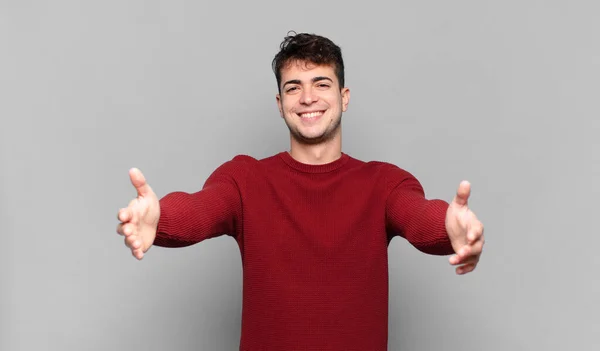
<point x="179" y="218"/>
<point x="419" y="220"/>
<point x="435" y="226"/>
<point x="187" y="219"/>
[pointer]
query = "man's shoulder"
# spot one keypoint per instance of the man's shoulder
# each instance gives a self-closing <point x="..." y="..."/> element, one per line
<point x="387" y="172"/>
<point x="251" y="161"/>
<point x="385" y="167"/>
<point x="241" y="163"/>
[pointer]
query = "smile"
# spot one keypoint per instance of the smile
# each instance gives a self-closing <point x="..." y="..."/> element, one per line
<point x="314" y="114"/>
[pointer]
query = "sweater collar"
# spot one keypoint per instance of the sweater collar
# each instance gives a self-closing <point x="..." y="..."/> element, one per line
<point x="308" y="168"/>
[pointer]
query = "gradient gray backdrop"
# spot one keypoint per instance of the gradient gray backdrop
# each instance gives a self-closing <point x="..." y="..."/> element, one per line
<point x="502" y="93"/>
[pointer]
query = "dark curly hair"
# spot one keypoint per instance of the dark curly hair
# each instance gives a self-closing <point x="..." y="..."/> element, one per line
<point x="310" y="48"/>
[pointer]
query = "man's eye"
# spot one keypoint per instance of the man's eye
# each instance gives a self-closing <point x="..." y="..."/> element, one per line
<point x="292" y="89"/>
<point x="324" y="85"/>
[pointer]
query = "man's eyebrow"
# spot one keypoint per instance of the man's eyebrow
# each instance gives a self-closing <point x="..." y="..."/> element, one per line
<point x="293" y="81"/>
<point x="314" y="80"/>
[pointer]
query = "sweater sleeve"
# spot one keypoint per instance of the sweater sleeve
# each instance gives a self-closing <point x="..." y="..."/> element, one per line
<point x="410" y="215"/>
<point x="188" y="218"/>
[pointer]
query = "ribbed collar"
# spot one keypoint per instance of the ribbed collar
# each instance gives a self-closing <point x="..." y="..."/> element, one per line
<point x="308" y="168"/>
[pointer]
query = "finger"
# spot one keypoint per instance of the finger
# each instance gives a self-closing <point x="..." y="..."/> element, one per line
<point x="462" y="194"/>
<point x="132" y="242"/>
<point x="120" y="229"/>
<point x="467" y="260"/>
<point x="123" y="215"/>
<point x="457" y="259"/>
<point x="477" y="247"/>
<point x="132" y="210"/>
<point x="127" y="229"/>
<point x="468" y="253"/>
<point x="461" y="255"/>
<point x="464" y="252"/>
<point x="475" y="232"/>
<point x="465" y="269"/>
<point x="139" y="182"/>
<point x="454" y="259"/>
<point x="128" y="214"/>
<point x="138" y="253"/>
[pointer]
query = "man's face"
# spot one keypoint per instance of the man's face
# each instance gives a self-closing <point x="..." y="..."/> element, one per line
<point x="311" y="101"/>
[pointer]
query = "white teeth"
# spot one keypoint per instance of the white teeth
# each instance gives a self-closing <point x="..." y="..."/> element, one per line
<point x="311" y="114"/>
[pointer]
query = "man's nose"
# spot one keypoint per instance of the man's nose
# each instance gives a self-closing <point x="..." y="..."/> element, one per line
<point x="308" y="97"/>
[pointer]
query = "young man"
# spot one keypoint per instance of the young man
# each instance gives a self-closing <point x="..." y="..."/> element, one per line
<point x="313" y="224"/>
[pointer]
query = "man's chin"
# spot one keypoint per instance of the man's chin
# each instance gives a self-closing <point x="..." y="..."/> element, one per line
<point x="309" y="139"/>
<point x="315" y="138"/>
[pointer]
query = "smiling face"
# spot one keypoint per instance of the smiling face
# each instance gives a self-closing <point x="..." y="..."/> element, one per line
<point x="311" y="102"/>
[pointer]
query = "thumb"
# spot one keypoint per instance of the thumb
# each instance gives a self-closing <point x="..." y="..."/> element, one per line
<point x="139" y="182"/>
<point x="463" y="193"/>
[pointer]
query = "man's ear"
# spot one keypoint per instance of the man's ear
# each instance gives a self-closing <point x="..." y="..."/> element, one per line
<point x="278" y="98"/>
<point x="345" y="99"/>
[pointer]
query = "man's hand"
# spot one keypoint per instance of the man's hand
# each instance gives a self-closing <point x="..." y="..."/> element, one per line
<point x="140" y="219"/>
<point x="464" y="230"/>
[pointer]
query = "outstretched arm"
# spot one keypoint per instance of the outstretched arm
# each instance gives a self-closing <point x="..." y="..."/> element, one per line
<point x="179" y="218"/>
<point x="419" y="220"/>
<point x="187" y="219"/>
<point x="434" y="226"/>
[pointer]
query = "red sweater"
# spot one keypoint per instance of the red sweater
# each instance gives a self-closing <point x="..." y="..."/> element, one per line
<point x="313" y="241"/>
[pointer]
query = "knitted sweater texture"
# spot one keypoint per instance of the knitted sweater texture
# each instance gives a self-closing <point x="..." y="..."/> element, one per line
<point x="314" y="244"/>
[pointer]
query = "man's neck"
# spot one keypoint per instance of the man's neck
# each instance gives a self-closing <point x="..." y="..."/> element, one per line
<point x="316" y="154"/>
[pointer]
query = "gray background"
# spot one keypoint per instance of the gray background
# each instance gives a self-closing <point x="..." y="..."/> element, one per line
<point x="502" y="93"/>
